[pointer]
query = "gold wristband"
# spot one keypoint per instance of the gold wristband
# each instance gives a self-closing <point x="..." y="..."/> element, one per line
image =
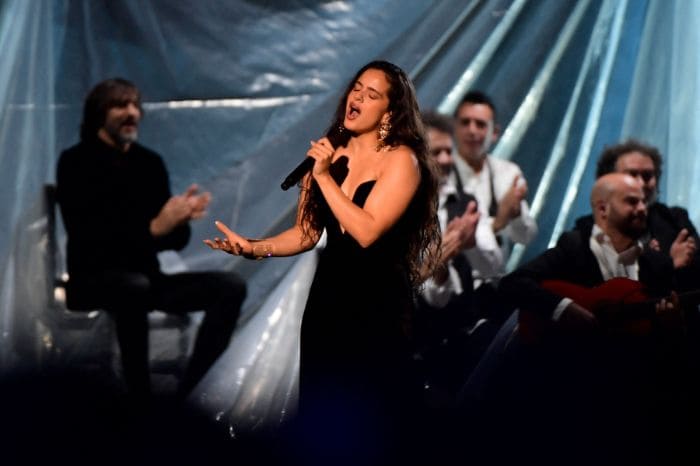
<point x="262" y="251"/>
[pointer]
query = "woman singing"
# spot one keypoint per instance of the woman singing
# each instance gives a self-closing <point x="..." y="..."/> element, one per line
<point x="375" y="195"/>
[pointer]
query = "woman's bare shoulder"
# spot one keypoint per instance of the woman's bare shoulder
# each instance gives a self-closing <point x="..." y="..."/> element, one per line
<point x="400" y="154"/>
<point x="399" y="161"/>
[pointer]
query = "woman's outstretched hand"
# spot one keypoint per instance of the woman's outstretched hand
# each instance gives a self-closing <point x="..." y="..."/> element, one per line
<point x="233" y="243"/>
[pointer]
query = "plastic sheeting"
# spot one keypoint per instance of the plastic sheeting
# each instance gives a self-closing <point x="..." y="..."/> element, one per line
<point x="234" y="90"/>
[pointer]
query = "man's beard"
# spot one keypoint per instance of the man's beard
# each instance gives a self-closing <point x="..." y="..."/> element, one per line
<point x="127" y="137"/>
<point x="122" y="137"/>
<point x="634" y="227"/>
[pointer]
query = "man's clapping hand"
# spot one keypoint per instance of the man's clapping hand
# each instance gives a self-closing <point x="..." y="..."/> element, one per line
<point x="179" y="209"/>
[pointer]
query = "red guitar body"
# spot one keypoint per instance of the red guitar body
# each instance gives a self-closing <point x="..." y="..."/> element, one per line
<point x="599" y="299"/>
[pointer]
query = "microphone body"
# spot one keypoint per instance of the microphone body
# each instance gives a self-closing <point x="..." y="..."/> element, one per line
<point x="308" y="163"/>
<point x="298" y="173"/>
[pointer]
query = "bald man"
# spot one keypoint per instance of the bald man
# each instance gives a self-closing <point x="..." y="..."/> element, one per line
<point x="669" y="228"/>
<point x="610" y="248"/>
<point x="578" y="387"/>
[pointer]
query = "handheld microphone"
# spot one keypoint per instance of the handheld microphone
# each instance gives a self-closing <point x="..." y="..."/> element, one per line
<point x="308" y="163"/>
<point x="298" y="173"/>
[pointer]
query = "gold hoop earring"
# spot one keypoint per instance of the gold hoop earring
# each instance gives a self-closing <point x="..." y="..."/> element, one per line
<point x="384" y="128"/>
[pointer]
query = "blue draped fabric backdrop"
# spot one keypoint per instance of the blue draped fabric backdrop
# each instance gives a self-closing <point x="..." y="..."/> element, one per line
<point x="234" y="90"/>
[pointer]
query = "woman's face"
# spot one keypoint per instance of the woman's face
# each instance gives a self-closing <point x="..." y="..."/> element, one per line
<point x="368" y="102"/>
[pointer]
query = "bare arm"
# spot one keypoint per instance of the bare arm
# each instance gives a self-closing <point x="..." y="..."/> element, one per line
<point x="395" y="186"/>
<point x="288" y="243"/>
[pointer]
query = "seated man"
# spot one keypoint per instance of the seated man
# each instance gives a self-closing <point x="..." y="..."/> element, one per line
<point x="610" y="248"/>
<point x="600" y="383"/>
<point x="119" y="213"/>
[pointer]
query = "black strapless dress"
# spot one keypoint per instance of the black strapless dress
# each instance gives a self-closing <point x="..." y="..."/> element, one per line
<point x="355" y="358"/>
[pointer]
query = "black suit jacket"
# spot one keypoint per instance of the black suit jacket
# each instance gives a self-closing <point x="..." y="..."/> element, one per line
<point x="663" y="224"/>
<point x="572" y="260"/>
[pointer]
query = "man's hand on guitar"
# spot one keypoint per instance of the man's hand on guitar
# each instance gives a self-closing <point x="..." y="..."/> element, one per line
<point x="577" y="319"/>
<point x="669" y="314"/>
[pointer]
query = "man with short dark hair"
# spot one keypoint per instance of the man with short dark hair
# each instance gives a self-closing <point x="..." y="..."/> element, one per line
<point x="634" y="158"/>
<point x="497" y="184"/>
<point x="118" y="210"/>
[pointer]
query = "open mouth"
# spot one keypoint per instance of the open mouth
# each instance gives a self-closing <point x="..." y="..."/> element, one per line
<point x="353" y="112"/>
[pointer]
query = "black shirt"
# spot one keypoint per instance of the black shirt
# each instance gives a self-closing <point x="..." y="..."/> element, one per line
<point x="108" y="199"/>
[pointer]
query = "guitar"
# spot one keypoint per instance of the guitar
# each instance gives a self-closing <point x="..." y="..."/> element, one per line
<point x="621" y="306"/>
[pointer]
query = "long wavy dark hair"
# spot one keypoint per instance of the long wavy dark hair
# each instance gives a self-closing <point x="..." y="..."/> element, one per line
<point x="423" y="232"/>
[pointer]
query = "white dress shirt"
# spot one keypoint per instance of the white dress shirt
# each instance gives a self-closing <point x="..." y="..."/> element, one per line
<point x="438" y="295"/>
<point x="488" y="258"/>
